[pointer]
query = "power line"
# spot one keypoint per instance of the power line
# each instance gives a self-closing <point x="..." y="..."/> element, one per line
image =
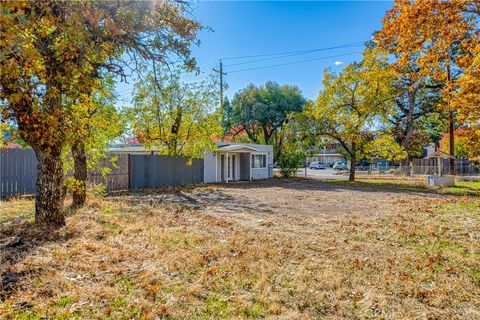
<point x="295" y="52"/>
<point x="294" y="62"/>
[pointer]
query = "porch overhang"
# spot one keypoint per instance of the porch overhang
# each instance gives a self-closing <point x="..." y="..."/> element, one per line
<point x="229" y="150"/>
<point x="237" y="148"/>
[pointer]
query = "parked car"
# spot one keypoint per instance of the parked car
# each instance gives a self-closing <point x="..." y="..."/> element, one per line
<point x="316" y="165"/>
<point x="363" y="165"/>
<point x="340" y="165"/>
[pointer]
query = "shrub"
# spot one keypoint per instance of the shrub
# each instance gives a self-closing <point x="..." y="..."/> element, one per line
<point x="290" y="161"/>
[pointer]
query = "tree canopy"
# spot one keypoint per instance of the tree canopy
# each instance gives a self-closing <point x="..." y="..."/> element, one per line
<point x="353" y="100"/>
<point x="53" y="56"/>
<point x="442" y="39"/>
<point x="262" y="111"/>
<point x="175" y="118"/>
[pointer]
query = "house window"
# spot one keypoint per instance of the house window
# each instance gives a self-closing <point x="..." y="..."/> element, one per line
<point x="259" y="160"/>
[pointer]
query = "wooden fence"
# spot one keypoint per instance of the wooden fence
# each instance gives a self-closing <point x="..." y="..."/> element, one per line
<point x="118" y="177"/>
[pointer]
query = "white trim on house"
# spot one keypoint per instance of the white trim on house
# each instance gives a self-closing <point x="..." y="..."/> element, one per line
<point x="237" y="148"/>
<point x="260" y="154"/>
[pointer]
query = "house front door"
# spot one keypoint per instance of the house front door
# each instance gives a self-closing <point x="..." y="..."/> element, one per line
<point x="231" y="167"/>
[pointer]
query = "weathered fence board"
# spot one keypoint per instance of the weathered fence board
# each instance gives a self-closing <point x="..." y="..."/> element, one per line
<point x="18" y="172"/>
<point x="117" y="178"/>
<point x="153" y="171"/>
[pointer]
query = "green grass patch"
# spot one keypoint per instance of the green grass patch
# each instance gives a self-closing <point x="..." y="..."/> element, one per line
<point x="64" y="301"/>
<point x="470" y="208"/>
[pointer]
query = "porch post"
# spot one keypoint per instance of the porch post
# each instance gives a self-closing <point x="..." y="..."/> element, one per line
<point x="228" y="167"/>
<point x="250" y="166"/>
<point x="216" y="166"/>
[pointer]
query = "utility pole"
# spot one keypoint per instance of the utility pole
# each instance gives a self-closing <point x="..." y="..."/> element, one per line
<point x="451" y="120"/>
<point x="220" y="71"/>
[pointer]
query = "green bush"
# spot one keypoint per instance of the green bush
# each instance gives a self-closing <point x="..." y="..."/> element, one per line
<point x="290" y="161"/>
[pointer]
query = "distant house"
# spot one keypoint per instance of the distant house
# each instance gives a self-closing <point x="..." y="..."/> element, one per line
<point x="328" y="156"/>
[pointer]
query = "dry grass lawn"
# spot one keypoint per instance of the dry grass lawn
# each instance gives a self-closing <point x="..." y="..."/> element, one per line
<point x="279" y="249"/>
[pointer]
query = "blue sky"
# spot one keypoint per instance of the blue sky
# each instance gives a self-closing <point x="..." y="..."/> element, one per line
<point x="256" y="28"/>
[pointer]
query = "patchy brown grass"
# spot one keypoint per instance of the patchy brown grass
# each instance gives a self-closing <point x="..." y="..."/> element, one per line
<point x="276" y="249"/>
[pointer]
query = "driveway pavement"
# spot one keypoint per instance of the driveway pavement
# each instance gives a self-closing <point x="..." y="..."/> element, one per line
<point x="323" y="174"/>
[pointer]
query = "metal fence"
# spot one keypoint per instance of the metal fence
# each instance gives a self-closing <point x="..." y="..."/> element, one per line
<point x="153" y="171"/>
<point x="18" y="172"/>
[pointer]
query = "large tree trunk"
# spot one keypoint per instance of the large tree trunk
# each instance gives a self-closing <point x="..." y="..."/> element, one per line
<point x="278" y="146"/>
<point x="50" y="190"/>
<point x="353" y="160"/>
<point x="80" y="174"/>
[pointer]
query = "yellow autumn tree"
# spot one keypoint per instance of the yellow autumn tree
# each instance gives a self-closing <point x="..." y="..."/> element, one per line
<point x="352" y="101"/>
<point x="53" y="55"/>
<point x="442" y="38"/>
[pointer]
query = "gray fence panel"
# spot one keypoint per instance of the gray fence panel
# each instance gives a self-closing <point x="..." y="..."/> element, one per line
<point x="153" y="171"/>
<point x="18" y="172"/>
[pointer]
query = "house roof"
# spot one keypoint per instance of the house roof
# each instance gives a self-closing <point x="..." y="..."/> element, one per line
<point x="332" y="154"/>
<point x="236" y="147"/>
<point x="439" y="154"/>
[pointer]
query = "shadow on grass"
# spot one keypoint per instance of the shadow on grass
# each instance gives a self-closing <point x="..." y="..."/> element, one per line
<point x="373" y="185"/>
<point x="17" y="241"/>
<point x="188" y="197"/>
<point x="217" y="195"/>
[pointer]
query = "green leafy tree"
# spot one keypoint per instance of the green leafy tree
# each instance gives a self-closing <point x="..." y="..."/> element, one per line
<point x="290" y="160"/>
<point x="3" y="137"/>
<point x="176" y="118"/>
<point x="353" y="100"/>
<point x="53" y="56"/>
<point x="417" y="100"/>
<point x="96" y="124"/>
<point x="262" y="111"/>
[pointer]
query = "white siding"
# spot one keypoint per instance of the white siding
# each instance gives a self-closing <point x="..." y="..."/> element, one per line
<point x="263" y="173"/>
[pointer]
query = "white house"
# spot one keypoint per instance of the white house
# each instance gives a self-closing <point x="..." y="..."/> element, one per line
<point x="229" y="162"/>
<point x="328" y="157"/>
<point x="238" y="161"/>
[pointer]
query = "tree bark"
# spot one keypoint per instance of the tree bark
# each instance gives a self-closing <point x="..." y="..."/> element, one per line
<point x="80" y="174"/>
<point x="451" y="133"/>
<point x="50" y="193"/>
<point x="353" y="160"/>
<point x="451" y="121"/>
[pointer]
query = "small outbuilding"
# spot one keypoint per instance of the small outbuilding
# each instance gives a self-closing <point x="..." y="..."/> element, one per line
<point x="238" y="161"/>
<point x="440" y="179"/>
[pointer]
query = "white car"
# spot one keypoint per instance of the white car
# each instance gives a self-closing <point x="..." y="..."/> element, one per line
<point x="340" y="165"/>
<point x="316" y="165"/>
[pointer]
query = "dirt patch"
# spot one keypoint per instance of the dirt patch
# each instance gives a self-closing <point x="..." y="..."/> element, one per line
<point x="282" y="200"/>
